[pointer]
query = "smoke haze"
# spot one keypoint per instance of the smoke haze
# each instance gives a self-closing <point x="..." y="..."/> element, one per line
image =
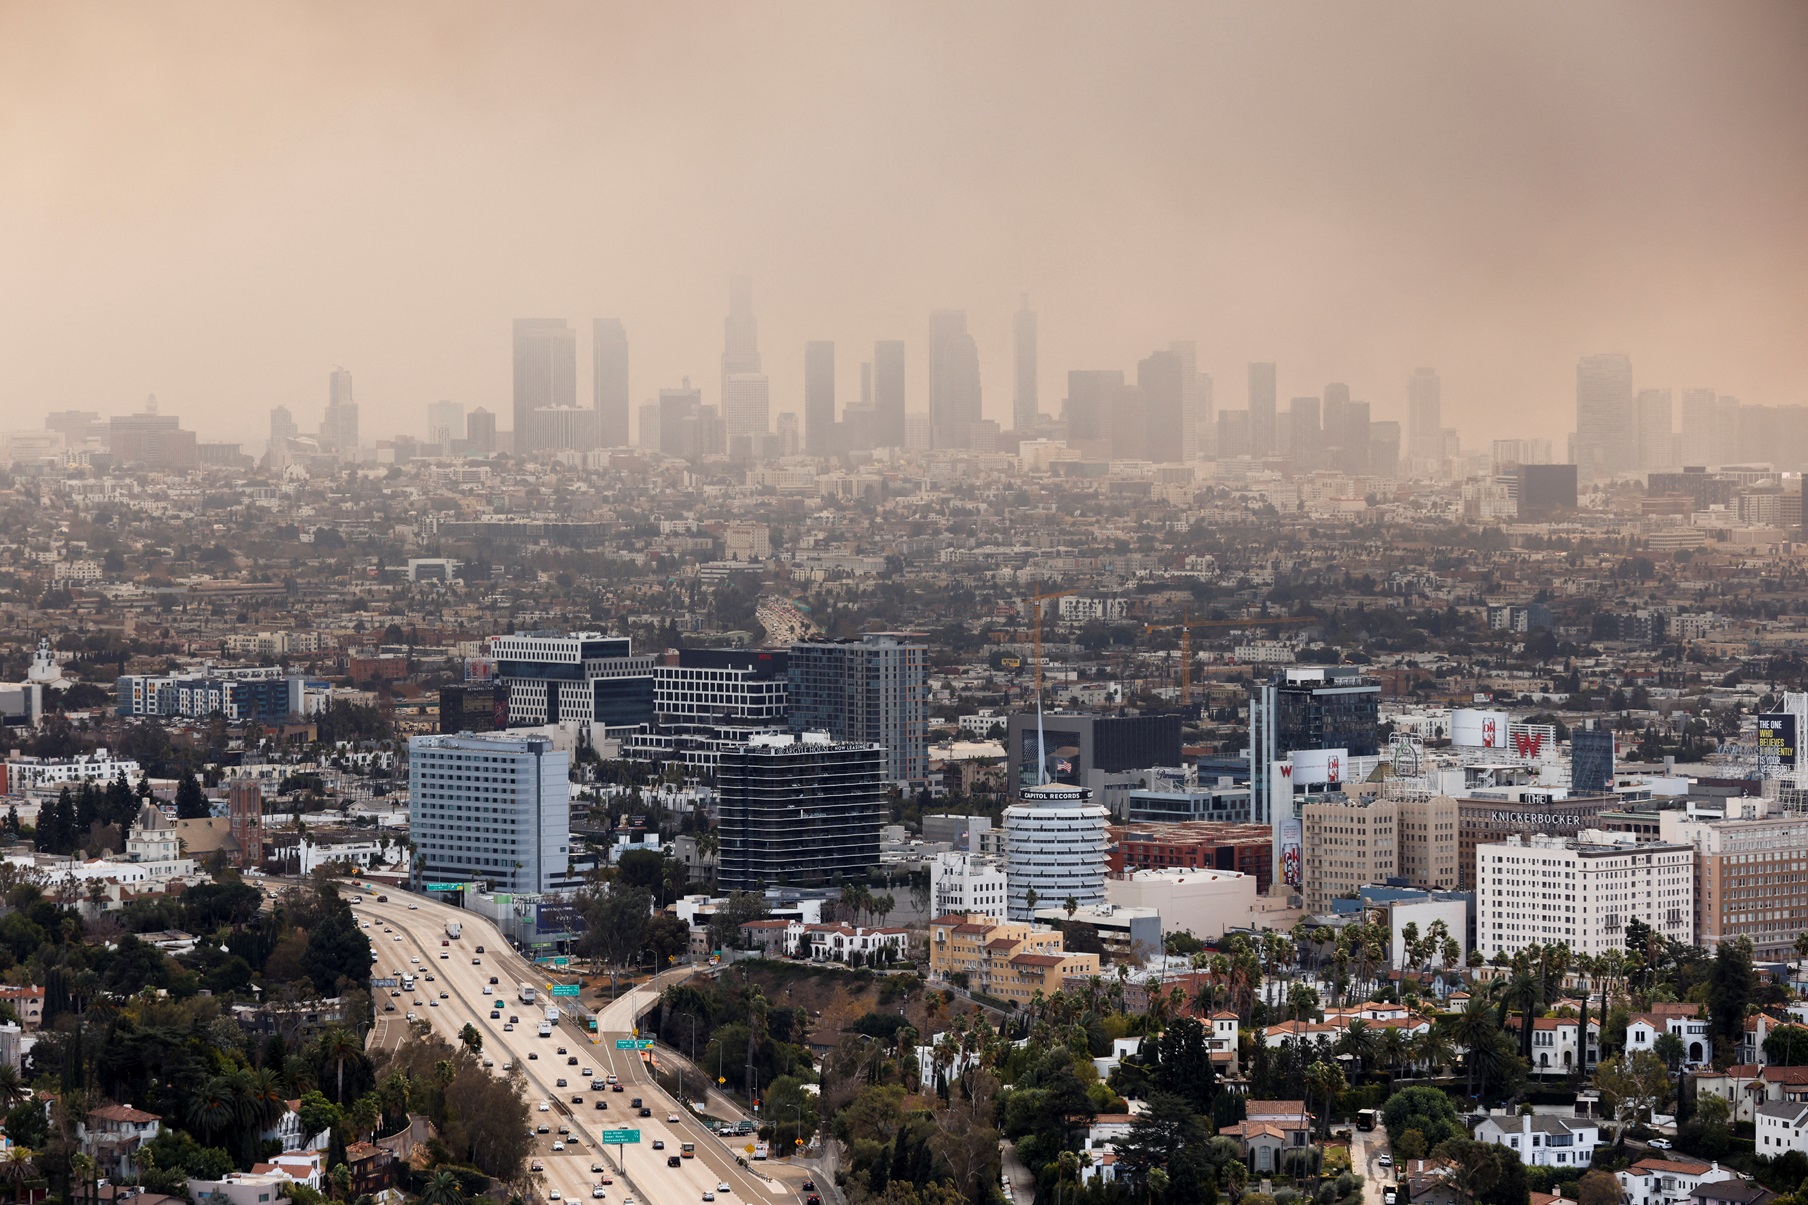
<point x="217" y="203"/>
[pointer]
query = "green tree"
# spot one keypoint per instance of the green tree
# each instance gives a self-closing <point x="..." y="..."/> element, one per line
<point x="191" y="802"/>
<point x="1787" y="1046"/>
<point x="472" y="1040"/>
<point x="1425" y="1110"/>
<point x="1731" y="987"/>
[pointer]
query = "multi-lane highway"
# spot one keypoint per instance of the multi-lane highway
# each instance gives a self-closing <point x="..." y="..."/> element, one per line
<point x="462" y="974"/>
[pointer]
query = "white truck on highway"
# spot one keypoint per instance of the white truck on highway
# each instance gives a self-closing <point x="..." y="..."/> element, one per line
<point x="552" y="1014"/>
<point x="453" y="929"/>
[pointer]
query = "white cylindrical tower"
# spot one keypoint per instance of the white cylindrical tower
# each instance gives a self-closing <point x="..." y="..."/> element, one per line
<point x="1055" y="845"/>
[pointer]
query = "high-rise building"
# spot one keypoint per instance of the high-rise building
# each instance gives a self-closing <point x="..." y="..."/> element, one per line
<point x="1696" y="436"/>
<point x="1425" y="415"/>
<point x="490" y="808"/>
<point x="1093" y="404"/>
<point x="339" y="427"/>
<point x="1025" y="404"/>
<point x="1262" y="433"/>
<point x="722" y="686"/>
<point x="1233" y="434"/>
<point x="740" y="330"/>
<point x="1656" y="437"/>
<point x="1196" y="402"/>
<point x="680" y="421"/>
<point x="746" y="406"/>
<point x="1305" y="433"/>
<point x="445" y="423"/>
<point x="563" y="428"/>
<point x="1751" y="875"/>
<point x="1606" y="431"/>
<point x="609" y="380"/>
<point x="888" y="393"/>
<point x="819" y="397"/>
<point x="151" y="439"/>
<point x="1306" y="710"/>
<point x="1579" y="892"/>
<point x="581" y="677"/>
<point x="480" y="432"/>
<point x="1546" y="492"/>
<point x="282" y="425"/>
<point x="790" y="434"/>
<point x="800" y="810"/>
<point x="546" y="371"/>
<point x="954" y="396"/>
<point x="1056" y="844"/>
<point x="873" y="690"/>
<point x="1384" y="447"/>
<point x="1590" y="760"/>
<point x="1161" y="383"/>
<point x="646" y="435"/>
<point x="1346" y="843"/>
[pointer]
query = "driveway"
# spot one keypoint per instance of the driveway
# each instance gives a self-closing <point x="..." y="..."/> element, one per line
<point x="1366" y="1149"/>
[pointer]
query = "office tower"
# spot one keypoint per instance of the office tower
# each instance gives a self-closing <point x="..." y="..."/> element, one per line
<point x="819" y="397"/>
<point x="1728" y="877"/>
<point x="1305" y="710"/>
<point x="1056" y="842"/>
<point x="152" y="439"/>
<point x="954" y="398"/>
<point x="79" y="426"/>
<point x="1726" y="430"/>
<point x="1084" y="749"/>
<point x="647" y="434"/>
<point x="609" y="380"/>
<point x="1585" y="893"/>
<point x="1025" y="404"/>
<point x="1304" y="432"/>
<point x="1348" y="843"/>
<point x="888" y="393"/>
<point x="339" y="426"/>
<point x="480" y="432"/>
<point x="1161" y="380"/>
<point x="1384" y="448"/>
<point x="746" y="403"/>
<point x="740" y="331"/>
<point x="546" y="371"/>
<point x="919" y="432"/>
<point x="563" y="429"/>
<point x="1546" y="492"/>
<point x="680" y="421"/>
<point x="1606" y="434"/>
<point x="490" y="808"/>
<point x="245" y="821"/>
<point x="1590" y="761"/>
<point x="872" y="689"/>
<point x="798" y="811"/>
<point x="582" y="677"/>
<point x="723" y="686"/>
<point x="1696" y="436"/>
<point x="282" y="425"/>
<point x="1656" y="441"/>
<point x="445" y="423"/>
<point x="866" y="384"/>
<point x="1093" y="404"/>
<point x="1425" y="415"/>
<point x="790" y="434"/>
<point x="1233" y="434"/>
<point x="1262" y="434"/>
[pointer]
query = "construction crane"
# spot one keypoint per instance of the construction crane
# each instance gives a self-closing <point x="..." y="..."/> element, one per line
<point x="1036" y="600"/>
<point x="1186" y="639"/>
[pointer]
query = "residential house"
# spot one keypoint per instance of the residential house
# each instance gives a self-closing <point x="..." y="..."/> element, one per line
<point x="1758" y="1026"/>
<point x="1747" y="1086"/>
<point x="1556" y="1045"/>
<point x="112" y="1134"/>
<point x="1223" y="1040"/>
<point x="242" y="1188"/>
<point x="1683" y="1020"/>
<point x="28" y="1002"/>
<point x="1732" y="1192"/>
<point x="373" y="1168"/>
<point x="846" y="943"/>
<point x="1667" y="1181"/>
<point x="1101" y="1141"/>
<point x="1543" y="1141"/>
<point x="1010" y="960"/>
<point x="1269" y="1130"/>
<point x="771" y="937"/>
<point x="1782" y="1126"/>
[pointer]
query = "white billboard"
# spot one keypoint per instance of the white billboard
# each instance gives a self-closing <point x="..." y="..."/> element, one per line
<point x="1315" y="767"/>
<point x="1473" y="728"/>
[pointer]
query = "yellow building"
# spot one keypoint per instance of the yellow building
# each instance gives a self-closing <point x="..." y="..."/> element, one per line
<point x="1010" y="960"/>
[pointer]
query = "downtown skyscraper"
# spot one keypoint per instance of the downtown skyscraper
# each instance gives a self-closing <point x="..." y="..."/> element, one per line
<point x="1025" y="406"/>
<point x="954" y="398"/>
<point x="819" y="397"/>
<point x="1424" y="415"/>
<point x="546" y="371"/>
<point x="609" y="380"/>
<point x="888" y="393"/>
<point x="1606" y="421"/>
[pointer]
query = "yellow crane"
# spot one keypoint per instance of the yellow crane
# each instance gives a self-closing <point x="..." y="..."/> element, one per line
<point x="1188" y="624"/>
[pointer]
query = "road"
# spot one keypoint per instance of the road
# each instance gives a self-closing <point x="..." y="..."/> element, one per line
<point x="1366" y="1149"/>
<point x="462" y="974"/>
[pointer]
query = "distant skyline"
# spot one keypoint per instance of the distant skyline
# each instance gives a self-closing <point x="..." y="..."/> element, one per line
<point x="219" y="205"/>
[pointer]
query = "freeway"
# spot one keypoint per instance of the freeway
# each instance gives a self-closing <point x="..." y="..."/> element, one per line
<point x="462" y="974"/>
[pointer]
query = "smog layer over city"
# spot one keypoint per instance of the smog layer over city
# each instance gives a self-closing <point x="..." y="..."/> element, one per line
<point x="904" y="604"/>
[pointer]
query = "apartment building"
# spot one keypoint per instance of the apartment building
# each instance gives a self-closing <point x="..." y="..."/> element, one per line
<point x="1751" y="876"/>
<point x="967" y="883"/>
<point x="1580" y="891"/>
<point x="490" y="808"/>
<point x="1428" y="842"/>
<point x="1348" y="842"/>
<point x="1010" y="960"/>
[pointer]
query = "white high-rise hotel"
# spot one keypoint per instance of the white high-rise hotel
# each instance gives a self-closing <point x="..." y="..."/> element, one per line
<point x="490" y="807"/>
<point x="1580" y="892"/>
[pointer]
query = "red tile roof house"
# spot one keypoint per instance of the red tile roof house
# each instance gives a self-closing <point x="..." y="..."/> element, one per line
<point x="1269" y="1129"/>
<point x="112" y="1134"/>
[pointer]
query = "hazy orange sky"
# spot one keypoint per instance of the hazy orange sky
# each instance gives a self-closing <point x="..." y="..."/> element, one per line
<point x="216" y="203"/>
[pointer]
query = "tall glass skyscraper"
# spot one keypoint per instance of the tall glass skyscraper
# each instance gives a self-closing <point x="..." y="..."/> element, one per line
<point x="872" y="689"/>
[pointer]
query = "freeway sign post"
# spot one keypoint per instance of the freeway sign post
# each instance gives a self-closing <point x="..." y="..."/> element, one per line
<point x="634" y="1043"/>
<point x="444" y="886"/>
<point x="565" y="989"/>
<point x="618" y="1137"/>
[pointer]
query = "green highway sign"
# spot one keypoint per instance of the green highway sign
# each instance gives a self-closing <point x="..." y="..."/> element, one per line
<point x="634" y="1043"/>
<point x="565" y="989"/>
<point x="620" y="1137"/>
<point x="445" y="886"/>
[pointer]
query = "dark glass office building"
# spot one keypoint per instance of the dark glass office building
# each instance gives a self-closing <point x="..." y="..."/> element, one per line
<point x="799" y="811"/>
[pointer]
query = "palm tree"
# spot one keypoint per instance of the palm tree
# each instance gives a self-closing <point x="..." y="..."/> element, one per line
<point x="340" y="1047"/>
<point x="473" y="1041"/>
<point x="366" y="1114"/>
<point x="340" y="1180"/>
<point x="1359" y="1043"/>
<point x="442" y="1188"/>
<point x="83" y="1170"/>
<point x="18" y="1167"/>
<point x="212" y="1108"/>
<point x="1473" y="1030"/>
<point x="13" y="1087"/>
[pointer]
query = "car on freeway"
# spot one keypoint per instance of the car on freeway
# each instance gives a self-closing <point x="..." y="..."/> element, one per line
<point x="597" y="1167"/>
<point x="415" y="961"/>
<point x="430" y="978"/>
<point x="443" y="996"/>
<point x="602" y="1104"/>
<point x="673" y="1161"/>
<point x="645" y="1112"/>
<point x="514" y="1020"/>
<point x="487" y="991"/>
<point x="542" y="1128"/>
<point x="412" y="1017"/>
<point x="635" y="1103"/>
<point x="476" y="962"/>
<point x="671" y="1119"/>
<point x="389" y="1008"/>
<point x="597" y="1085"/>
<point x="722" y="1187"/>
<point x="597" y="1192"/>
<point x="565" y="1130"/>
<point x="433" y="1004"/>
<point x="480" y="949"/>
<point x="561" y="1082"/>
<point x="708" y="1195"/>
<point x="572" y="1061"/>
<point x="536" y="1166"/>
<point x="562" y="1051"/>
<point x="505" y="1028"/>
<point x="614" y="1087"/>
<point x="397" y="937"/>
<point x="545" y="1108"/>
<point x="443" y="956"/>
<point x="558" y="1146"/>
<point x="659" y="1144"/>
<point x="413" y="907"/>
<point x="534" y="1054"/>
<point x="577" y="1100"/>
<point x="553" y="1195"/>
<point x="809" y="1184"/>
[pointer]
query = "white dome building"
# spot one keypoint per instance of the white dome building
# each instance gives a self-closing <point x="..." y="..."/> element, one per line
<point x="1055" y="844"/>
